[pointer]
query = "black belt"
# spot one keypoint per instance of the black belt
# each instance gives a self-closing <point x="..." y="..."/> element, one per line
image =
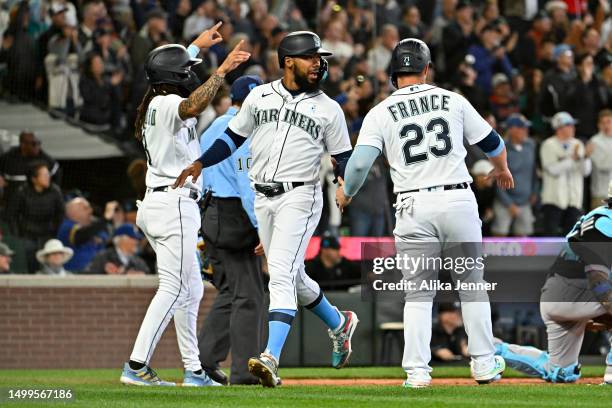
<point x="460" y="186"/>
<point x="275" y="189"/>
<point x="193" y="194"/>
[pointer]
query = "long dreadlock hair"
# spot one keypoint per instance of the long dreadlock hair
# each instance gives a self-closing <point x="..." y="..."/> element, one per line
<point x="141" y="112"/>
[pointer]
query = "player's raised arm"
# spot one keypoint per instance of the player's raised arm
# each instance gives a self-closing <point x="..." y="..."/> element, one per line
<point x="201" y="97"/>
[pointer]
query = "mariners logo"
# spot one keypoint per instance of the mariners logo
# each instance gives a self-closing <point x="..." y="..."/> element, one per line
<point x="407" y="61"/>
<point x="317" y="42"/>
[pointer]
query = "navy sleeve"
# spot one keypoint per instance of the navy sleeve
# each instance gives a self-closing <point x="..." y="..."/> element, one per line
<point x="492" y="144"/>
<point x="221" y="149"/>
<point x="341" y="161"/>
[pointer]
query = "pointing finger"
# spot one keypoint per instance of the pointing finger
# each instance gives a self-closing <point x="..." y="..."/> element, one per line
<point x="238" y="46"/>
<point x="216" y="26"/>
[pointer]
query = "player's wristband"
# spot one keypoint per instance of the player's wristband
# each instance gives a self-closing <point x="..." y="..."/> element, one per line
<point x="193" y="50"/>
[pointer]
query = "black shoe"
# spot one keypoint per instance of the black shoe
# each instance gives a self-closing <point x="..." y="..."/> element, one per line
<point x="217" y="375"/>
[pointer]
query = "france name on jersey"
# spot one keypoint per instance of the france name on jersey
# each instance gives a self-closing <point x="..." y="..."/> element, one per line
<point x="420" y="130"/>
<point x="289" y="134"/>
<point x="170" y="143"/>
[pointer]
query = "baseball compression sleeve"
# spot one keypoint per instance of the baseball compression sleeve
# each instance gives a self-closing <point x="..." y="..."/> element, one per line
<point x="492" y="144"/>
<point x="221" y="149"/>
<point x="358" y="167"/>
<point x="341" y="160"/>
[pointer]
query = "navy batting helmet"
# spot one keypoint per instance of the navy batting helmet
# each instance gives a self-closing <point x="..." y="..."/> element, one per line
<point x="171" y="64"/>
<point x="410" y="56"/>
<point x="300" y="43"/>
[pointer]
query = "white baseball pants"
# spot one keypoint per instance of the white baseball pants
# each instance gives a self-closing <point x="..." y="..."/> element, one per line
<point x="437" y="218"/>
<point x="170" y="221"/>
<point x="286" y="224"/>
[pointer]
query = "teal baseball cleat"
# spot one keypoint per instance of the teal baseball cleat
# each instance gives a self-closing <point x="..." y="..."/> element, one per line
<point x="488" y="372"/>
<point x="191" y="379"/>
<point x="145" y="376"/>
<point x="341" y="340"/>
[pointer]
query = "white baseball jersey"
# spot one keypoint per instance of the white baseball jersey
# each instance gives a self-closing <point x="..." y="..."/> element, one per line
<point x="420" y="130"/>
<point x="289" y="134"/>
<point x="170" y="143"/>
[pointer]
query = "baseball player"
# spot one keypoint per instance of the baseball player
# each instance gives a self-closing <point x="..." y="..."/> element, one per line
<point x="420" y="129"/>
<point x="229" y="227"/>
<point x="170" y="218"/>
<point x="291" y="123"/>
<point x="578" y="289"/>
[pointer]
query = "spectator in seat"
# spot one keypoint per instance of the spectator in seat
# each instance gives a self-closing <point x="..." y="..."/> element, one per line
<point x="446" y="15"/>
<point x="6" y="257"/>
<point x="565" y="164"/>
<point x="448" y="337"/>
<point x="334" y="41"/>
<point x="200" y="20"/>
<point x="380" y="55"/>
<point x="155" y="31"/>
<point x="84" y="233"/>
<point x="36" y="212"/>
<point x="330" y="269"/>
<point x="512" y="208"/>
<point x="52" y="258"/>
<point x="62" y="67"/>
<point x="121" y="258"/>
<point x="458" y="36"/>
<point x="100" y="95"/>
<point x="484" y="190"/>
<point x="557" y="81"/>
<point x="92" y="12"/>
<point x="57" y="14"/>
<point x="412" y="26"/>
<point x="466" y="84"/>
<point x="600" y="150"/>
<point x="584" y="98"/>
<point x="529" y="50"/>
<point x="557" y="9"/>
<point x="504" y="102"/>
<point x="490" y="57"/>
<point x="18" y="51"/>
<point x="15" y="164"/>
<point x="115" y="59"/>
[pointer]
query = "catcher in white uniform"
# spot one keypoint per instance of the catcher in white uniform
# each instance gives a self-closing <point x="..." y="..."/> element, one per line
<point x="420" y="129"/>
<point x="170" y="218"/>
<point x="291" y="123"/>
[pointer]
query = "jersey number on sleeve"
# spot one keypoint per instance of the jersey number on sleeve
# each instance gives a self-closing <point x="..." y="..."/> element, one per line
<point x="416" y="134"/>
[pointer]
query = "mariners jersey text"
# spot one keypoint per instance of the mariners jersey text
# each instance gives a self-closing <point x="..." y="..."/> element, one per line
<point x="291" y="117"/>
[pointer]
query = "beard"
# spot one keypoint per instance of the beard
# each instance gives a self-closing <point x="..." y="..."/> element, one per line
<point x="301" y="79"/>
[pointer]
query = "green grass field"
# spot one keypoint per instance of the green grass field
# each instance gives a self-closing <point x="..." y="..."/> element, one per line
<point x="100" y="388"/>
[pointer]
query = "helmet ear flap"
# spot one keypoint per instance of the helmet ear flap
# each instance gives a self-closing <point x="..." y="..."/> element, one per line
<point x="323" y="69"/>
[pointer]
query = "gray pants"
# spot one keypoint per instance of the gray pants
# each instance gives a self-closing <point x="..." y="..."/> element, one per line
<point x="566" y="305"/>
<point x="237" y="317"/>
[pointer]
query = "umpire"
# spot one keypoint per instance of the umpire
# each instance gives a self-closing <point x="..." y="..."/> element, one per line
<point x="230" y="233"/>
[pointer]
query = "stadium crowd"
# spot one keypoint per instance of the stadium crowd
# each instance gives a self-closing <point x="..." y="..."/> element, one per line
<point x="539" y="71"/>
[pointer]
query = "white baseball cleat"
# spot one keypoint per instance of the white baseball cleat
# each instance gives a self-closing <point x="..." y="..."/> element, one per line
<point x="145" y="376"/>
<point x="489" y="371"/>
<point x="418" y="380"/>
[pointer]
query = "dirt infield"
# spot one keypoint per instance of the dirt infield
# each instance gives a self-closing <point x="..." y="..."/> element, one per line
<point x="357" y="382"/>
